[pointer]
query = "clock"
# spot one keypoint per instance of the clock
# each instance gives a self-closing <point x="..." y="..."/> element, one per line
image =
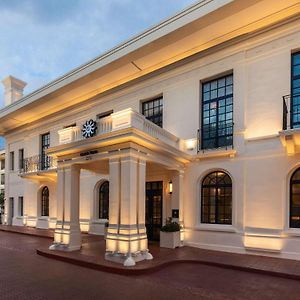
<point x="89" y="128"/>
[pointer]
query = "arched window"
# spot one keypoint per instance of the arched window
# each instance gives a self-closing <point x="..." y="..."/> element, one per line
<point x="104" y="200"/>
<point x="216" y="199"/>
<point x="45" y="202"/>
<point x="295" y="200"/>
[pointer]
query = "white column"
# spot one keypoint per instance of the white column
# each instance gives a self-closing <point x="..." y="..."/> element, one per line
<point x="177" y="198"/>
<point x="126" y="237"/>
<point x="67" y="234"/>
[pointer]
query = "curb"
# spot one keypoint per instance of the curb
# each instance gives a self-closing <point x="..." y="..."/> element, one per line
<point x="131" y="271"/>
<point x="27" y="233"/>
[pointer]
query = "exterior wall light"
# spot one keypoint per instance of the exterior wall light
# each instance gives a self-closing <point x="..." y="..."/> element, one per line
<point x="170" y="187"/>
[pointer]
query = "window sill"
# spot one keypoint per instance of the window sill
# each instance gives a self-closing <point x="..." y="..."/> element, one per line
<point x="216" y="153"/>
<point x="292" y="232"/>
<point x="46" y="218"/>
<point x="215" y="227"/>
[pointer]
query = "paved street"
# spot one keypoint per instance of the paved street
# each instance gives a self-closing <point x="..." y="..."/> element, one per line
<point x="25" y="275"/>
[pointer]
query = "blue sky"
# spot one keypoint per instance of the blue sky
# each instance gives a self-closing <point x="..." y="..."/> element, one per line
<point x="43" y="39"/>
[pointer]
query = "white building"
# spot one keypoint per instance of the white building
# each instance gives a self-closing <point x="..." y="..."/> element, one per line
<point x="2" y="171"/>
<point x="212" y="79"/>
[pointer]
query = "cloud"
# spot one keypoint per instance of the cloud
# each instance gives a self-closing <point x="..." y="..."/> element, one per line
<point x="41" y="40"/>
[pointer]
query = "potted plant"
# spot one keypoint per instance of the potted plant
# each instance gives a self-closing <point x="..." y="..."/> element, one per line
<point x="170" y="234"/>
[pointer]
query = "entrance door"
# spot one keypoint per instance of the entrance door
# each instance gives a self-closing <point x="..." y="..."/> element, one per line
<point x="154" y="209"/>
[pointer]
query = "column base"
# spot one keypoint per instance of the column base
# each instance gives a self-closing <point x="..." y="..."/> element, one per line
<point x="62" y="247"/>
<point x="128" y="260"/>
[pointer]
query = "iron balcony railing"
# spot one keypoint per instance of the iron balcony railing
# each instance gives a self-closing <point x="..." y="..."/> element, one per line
<point x="291" y="111"/>
<point x="212" y="137"/>
<point x="38" y="163"/>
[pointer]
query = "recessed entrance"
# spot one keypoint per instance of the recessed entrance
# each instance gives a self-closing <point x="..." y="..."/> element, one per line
<point x="154" y="191"/>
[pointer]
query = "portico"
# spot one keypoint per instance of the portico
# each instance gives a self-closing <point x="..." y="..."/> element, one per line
<point x="123" y="154"/>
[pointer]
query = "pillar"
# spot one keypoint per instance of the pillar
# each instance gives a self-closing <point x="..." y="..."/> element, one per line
<point x="177" y="199"/>
<point x="67" y="235"/>
<point x="126" y="240"/>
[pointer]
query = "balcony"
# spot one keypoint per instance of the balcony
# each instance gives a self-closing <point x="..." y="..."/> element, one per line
<point x="290" y="134"/>
<point x="38" y="165"/>
<point x="215" y="141"/>
<point x="124" y="119"/>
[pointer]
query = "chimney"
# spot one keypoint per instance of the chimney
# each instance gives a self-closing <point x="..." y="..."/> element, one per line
<point x="13" y="89"/>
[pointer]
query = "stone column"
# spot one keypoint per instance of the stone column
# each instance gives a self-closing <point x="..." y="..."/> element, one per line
<point x="126" y="240"/>
<point x="177" y="198"/>
<point x="67" y="234"/>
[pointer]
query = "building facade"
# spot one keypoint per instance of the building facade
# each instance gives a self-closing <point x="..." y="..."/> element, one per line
<point x="197" y="119"/>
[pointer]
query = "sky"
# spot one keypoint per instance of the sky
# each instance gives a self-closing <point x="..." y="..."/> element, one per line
<point x="41" y="40"/>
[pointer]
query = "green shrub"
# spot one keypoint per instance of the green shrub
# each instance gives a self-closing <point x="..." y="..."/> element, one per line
<point x="170" y="226"/>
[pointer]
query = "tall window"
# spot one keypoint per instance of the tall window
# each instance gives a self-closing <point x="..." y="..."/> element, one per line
<point x="153" y="110"/>
<point x="21" y="206"/>
<point x="216" y="199"/>
<point x="295" y="200"/>
<point x="45" y="202"/>
<point x="12" y="208"/>
<point x="21" y="159"/>
<point x="104" y="200"/>
<point x="295" y="92"/>
<point x="45" y="144"/>
<point x="2" y="164"/>
<point x="12" y="160"/>
<point x="217" y="113"/>
<point x="2" y="178"/>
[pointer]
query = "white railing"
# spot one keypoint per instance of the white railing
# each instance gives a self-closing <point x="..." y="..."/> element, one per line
<point x="127" y="118"/>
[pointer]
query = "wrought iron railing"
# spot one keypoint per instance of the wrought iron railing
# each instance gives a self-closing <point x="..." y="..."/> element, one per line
<point x="215" y="137"/>
<point x="38" y="163"/>
<point x="291" y="111"/>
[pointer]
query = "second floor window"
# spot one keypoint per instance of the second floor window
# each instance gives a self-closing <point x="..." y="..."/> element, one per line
<point x="2" y="164"/>
<point x="2" y="178"/>
<point x="45" y="144"/>
<point x="295" y="92"/>
<point x="12" y="160"/>
<point x="21" y="159"/>
<point x="153" y="110"/>
<point x="217" y="113"/>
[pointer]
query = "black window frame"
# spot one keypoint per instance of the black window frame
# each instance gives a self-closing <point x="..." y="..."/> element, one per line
<point x="21" y="206"/>
<point x="21" y="159"/>
<point x="150" y="106"/>
<point x="12" y="206"/>
<point x="103" y="200"/>
<point x="2" y="180"/>
<point x="293" y="181"/>
<point x="45" y="196"/>
<point x="206" y="218"/>
<point x="12" y="160"/>
<point x="104" y="114"/>
<point x="295" y="92"/>
<point x="45" y="144"/>
<point x="216" y="108"/>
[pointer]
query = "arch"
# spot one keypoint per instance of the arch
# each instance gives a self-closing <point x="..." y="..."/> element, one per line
<point x="216" y="198"/>
<point x="103" y="200"/>
<point x="45" y="202"/>
<point x="294" y="215"/>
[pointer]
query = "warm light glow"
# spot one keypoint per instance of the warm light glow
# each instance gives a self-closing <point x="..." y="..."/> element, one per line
<point x="190" y="144"/>
<point x="263" y="243"/>
<point x="170" y="187"/>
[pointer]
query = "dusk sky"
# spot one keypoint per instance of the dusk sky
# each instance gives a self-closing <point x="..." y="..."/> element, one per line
<point x="41" y="40"/>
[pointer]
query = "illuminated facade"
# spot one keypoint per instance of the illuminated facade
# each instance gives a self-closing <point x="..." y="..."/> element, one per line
<point x="188" y="120"/>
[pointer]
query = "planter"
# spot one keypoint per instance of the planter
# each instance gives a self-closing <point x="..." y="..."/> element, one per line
<point x="170" y="239"/>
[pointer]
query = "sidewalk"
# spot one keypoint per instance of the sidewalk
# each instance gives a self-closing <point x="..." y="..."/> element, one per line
<point x="93" y="248"/>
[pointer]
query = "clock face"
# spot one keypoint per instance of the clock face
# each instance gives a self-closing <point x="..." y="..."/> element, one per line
<point x="89" y="128"/>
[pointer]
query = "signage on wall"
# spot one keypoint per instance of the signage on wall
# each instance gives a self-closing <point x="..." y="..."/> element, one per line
<point x="89" y="128"/>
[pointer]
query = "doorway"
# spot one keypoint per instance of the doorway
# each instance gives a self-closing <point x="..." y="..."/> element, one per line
<point x="154" y="196"/>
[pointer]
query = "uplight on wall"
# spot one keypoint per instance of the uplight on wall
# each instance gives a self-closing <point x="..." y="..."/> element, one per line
<point x="170" y="187"/>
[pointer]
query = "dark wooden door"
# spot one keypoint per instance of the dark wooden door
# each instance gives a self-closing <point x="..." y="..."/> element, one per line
<point x="154" y="191"/>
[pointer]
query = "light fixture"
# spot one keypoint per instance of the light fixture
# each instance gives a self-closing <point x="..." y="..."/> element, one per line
<point x="170" y="187"/>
